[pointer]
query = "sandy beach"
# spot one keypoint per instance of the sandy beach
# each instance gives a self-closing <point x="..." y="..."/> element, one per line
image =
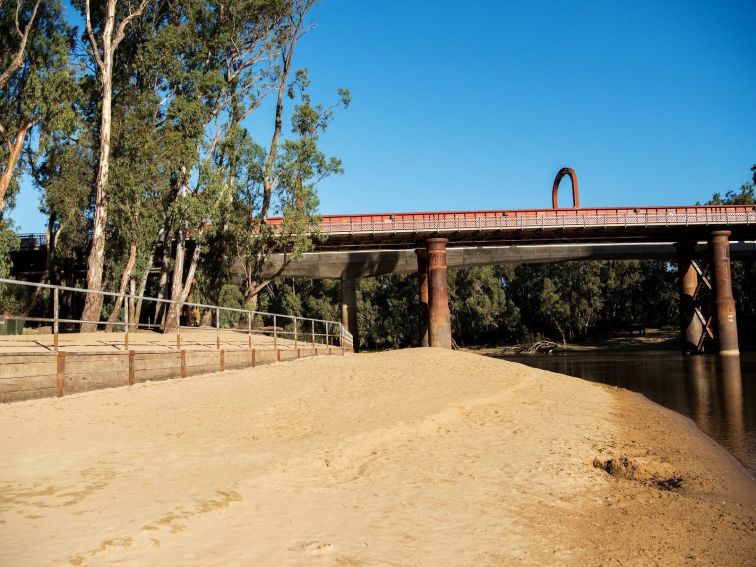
<point x="415" y="457"/>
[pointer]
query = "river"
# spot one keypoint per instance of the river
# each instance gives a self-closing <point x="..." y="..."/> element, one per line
<point x="717" y="393"/>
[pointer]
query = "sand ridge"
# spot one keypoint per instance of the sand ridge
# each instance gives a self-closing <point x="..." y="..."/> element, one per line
<point x="416" y="457"/>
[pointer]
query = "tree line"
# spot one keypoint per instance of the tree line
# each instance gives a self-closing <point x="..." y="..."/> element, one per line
<point x="134" y="127"/>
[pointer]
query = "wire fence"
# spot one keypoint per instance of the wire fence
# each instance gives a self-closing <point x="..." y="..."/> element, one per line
<point x="47" y="310"/>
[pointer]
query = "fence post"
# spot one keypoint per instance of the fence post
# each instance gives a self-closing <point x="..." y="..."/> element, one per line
<point x="217" y="327"/>
<point x="275" y="332"/>
<point x="55" y="319"/>
<point x="60" y="382"/>
<point x="295" y="332"/>
<point x="249" y="329"/>
<point x="313" y="333"/>
<point x="222" y="360"/>
<point x="131" y="367"/>
<point x="328" y="341"/>
<point x="183" y="363"/>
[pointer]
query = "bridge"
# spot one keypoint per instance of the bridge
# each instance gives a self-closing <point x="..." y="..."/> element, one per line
<point x="430" y="242"/>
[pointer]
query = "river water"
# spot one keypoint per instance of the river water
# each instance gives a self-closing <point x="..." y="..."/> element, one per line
<point x="717" y="393"/>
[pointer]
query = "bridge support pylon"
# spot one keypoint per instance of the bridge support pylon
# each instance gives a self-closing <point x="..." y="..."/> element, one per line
<point x="349" y="307"/>
<point x="439" y="333"/>
<point x="423" y="294"/>
<point x="724" y="302"/>
<point x="691" y="324"/>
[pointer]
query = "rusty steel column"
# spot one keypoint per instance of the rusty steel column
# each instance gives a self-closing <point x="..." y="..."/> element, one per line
<point x="349" y="306"/>
<point x="440" y="319"/>
<point x="424" y="302"/>
<point x="691" y="327"/>
<point x="724" y="302"/>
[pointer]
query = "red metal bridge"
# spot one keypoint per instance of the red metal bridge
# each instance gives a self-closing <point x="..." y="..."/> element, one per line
<point x="535" y="226"/>
<point x="363" y="244"/>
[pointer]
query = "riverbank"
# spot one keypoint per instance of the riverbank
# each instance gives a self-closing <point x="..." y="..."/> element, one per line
<point x="651" y="339"/>
<point x="420" y="457"/>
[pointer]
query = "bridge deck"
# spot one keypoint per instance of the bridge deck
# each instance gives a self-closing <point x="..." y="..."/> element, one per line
<point x="645" y="224"/>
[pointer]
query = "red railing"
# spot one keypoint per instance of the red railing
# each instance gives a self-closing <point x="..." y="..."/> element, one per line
<point x="538" y="218"/>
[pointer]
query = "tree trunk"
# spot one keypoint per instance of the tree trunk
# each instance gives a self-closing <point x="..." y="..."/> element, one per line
<point x="96" y="260"/>
<point x="181" y="287"/>
<point x="177" y="285"/>
<point x="163" y="280"/>
<point x="15" y="151"/>
<point x="140" y="293"/>
<point x="123" y="288"/>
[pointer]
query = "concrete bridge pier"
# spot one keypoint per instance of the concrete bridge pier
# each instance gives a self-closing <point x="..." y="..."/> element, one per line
<point x="349" y="306"/>
<point x="724" y="302"/>
<point x="691" y="327"/>
<point x="423" y="293"/>
<point x="439" y="333"/>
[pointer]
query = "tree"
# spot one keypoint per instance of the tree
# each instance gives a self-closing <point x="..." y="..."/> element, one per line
<point x="111" y="26"/>
<point x="17" y="59"/>
<point x="37" y="86"/>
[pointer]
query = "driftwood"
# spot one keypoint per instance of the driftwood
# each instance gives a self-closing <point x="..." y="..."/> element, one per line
<point x="538" y="346"/>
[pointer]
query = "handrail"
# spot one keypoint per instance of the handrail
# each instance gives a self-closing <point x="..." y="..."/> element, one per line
<point x="344" y="337"/>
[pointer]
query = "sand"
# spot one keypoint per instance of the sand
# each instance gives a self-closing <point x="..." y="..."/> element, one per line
<point x="417" y="457"/>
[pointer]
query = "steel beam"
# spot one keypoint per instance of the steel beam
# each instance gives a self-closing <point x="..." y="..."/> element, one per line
<point x="691" y="327"/>
<point x="349" y="307"/>
<point x="423" y="295"/>
<point x="724" y="302"/>
<point x="440" y="317"/>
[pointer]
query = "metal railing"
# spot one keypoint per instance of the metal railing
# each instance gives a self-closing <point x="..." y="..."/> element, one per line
<point x="541" y="221"/>
<point x="48" y="301"/>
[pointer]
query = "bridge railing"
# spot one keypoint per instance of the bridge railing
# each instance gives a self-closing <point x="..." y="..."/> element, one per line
<point x="448" y="223"/>
<point x="49" y="311"/>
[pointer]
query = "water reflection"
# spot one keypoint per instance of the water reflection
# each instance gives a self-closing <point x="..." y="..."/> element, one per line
<point x="717" y="393"/>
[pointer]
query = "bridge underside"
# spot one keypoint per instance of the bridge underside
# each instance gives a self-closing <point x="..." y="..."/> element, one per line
<point x="370" y="263"/>
<point x="431" y="261"/>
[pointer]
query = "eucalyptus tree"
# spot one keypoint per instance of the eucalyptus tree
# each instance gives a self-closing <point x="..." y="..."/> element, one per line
<point x="228" y="195"/>
<point x="230" y="76"/>
<point x="23" y="20"/>
<point x="37" y="86"/>
<point x="106" y="27"/>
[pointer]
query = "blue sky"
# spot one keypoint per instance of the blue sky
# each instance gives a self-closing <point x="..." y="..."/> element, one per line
<point x="477" y="105"/>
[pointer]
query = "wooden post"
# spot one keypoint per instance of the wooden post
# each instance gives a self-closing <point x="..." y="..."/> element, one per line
<point x="253" y="358"/>
<point x="275" y="333"/>
<point x="55" y="319"/>
<point x="278" y="355"/>
<point x="249" y="329"/>
<point x="299" y="353"/>
<point x="60" y="382"/>
<point x="328" y="340"/>
<point x="222" y="361"/>
<point x="313" y="333"/>
<point x="295" y="332"/>
<point x="183" y="363"/>
<point x="132" y="368"/>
